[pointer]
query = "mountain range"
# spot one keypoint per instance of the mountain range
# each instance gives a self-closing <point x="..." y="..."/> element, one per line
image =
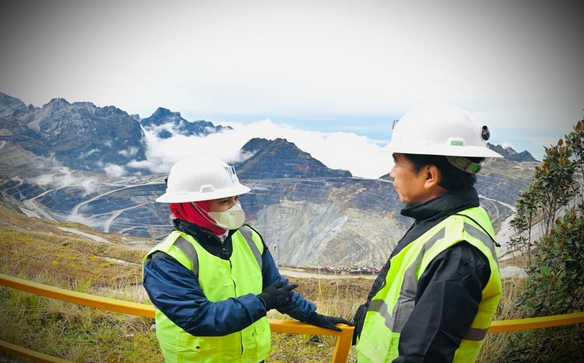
<point x="83" y="136"/>
<point x="53" y="160"/>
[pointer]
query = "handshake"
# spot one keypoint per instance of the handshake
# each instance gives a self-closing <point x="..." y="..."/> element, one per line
<point x="278" y="295"/>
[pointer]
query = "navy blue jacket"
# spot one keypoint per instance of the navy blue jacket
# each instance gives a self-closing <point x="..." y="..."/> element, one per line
<point x="175" y="291"/>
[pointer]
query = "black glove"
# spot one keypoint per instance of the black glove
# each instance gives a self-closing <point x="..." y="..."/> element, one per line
<point x="358" y="319"/>
<point x="277" y="295"/>
<point x="327" y="322"/>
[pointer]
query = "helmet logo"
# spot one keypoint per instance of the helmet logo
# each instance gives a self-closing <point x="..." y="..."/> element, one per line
<point x="485" y="133"/>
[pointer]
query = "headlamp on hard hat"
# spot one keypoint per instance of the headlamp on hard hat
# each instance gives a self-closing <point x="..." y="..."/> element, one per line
<point x="486" y="134"/>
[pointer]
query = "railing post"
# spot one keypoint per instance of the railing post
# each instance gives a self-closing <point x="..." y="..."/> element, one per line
<point x="343" y="345"/>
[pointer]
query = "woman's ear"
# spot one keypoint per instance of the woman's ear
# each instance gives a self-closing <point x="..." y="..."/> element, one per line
<point x="432" y="176"/>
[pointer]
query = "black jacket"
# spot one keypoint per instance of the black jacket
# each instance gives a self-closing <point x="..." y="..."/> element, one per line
<point x="449" y="291"/>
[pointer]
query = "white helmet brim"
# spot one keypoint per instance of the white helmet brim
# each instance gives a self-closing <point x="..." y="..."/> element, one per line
<point x="444" y="150"/>
<point x="205" y="194"/>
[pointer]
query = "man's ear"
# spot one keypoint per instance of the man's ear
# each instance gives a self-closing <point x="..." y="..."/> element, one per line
<point x="432" y="176"/>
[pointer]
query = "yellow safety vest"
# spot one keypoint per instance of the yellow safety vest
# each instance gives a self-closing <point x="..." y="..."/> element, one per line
<point x="220" y="280"/>
<point x="391" y="307"/>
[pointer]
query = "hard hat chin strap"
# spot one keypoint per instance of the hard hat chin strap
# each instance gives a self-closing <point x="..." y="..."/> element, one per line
<point x="464" y="164"/>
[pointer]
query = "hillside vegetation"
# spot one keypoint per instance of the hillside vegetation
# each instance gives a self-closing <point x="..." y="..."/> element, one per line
<point x="552" y="207"/>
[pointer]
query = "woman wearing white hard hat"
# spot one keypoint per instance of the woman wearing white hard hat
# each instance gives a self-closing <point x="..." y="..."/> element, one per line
<point x="436" y="296"/>
<point x="213" y="278"/>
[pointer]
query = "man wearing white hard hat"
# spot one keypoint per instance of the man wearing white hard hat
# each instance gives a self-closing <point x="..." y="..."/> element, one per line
<point x="213" y="279"/>
<point x="436" y="296"/>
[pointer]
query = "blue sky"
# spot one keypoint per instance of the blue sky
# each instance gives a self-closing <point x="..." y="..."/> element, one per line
<point x="321" y="66"/>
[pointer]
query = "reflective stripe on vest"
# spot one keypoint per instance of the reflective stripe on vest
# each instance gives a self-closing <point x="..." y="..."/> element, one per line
<point x="394" y="303"/>
<point x="191" y="253"/>
<point x="219" y="280"/>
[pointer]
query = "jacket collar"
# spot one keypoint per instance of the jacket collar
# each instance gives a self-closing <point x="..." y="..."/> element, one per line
<point x="200" y="234"/>
<point x="444" y="205"/>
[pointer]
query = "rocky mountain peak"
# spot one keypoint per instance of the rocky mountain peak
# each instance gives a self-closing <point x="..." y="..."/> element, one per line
<point x="166" y="123"/>
<point x="11" y="108"/>
<point x="254" y="145"/>
<point x="510" y="154"/>
<point x="162" y="116"/>
<point x="14" y="117"/>
<point x="57" y="103"/>
<point x="162" y="112"/>
<point x="10" y="103"/>
<point x="280" y="158"/>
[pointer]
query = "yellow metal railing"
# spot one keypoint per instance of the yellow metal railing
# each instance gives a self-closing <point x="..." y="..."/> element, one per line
<point x="536" y="323"/>
<point x="340" y="354"/>
<point x="342" y="346"/>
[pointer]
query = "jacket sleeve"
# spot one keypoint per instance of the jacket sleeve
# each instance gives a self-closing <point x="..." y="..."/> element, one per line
<point x="175" y="291"/>
<point x="446" y="303"/>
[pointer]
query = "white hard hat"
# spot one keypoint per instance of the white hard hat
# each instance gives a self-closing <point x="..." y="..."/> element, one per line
<point x="201" y="177"/>
<point x="440" y="129"/>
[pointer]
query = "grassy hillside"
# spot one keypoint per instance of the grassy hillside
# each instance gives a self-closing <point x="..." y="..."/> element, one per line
<point x="62" y="250"/>
<point x="49" y="253"/>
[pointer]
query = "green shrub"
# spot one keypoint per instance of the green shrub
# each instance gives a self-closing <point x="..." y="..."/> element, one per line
<point x="555" y="271"/>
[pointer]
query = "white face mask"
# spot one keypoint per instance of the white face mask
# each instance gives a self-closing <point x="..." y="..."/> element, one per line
<point x="232" y="218"/>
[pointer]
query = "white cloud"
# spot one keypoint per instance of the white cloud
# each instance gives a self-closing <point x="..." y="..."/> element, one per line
<point x="44" y="179"/>
<point x="337" y="150"/>
<point x="143" y="164"/>
<point x="90" y="152"/>
<point x="130" y="152"/>
<point x="169" y="127"/>
<point x="88" y="184"/>
<point x="57" y="176"/>
<point x="114" y="171"/>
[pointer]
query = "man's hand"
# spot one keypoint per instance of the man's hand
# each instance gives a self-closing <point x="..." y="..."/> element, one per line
<point x="327" y="322"/>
